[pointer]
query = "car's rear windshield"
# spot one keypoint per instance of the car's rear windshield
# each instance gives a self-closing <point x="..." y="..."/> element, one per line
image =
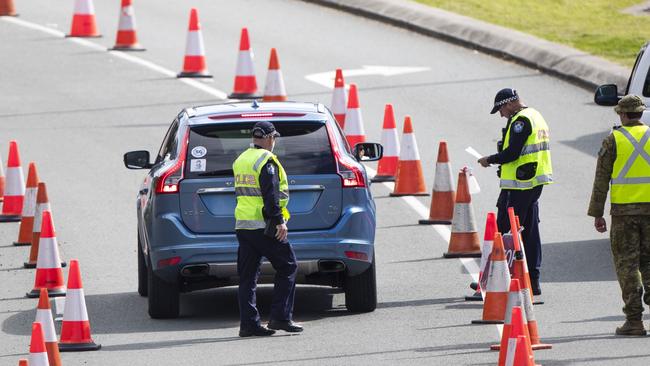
<point x="303" y="148"/>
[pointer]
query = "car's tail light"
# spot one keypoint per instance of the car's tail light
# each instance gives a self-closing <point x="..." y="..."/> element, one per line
<point x="169" y="262"/>
<point x="170" y="179"/>
<point x="351" y="175"/>
<point x="356" y="255"/>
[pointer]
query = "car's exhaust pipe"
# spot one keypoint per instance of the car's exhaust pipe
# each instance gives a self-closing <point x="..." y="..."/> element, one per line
<point x="195" y="270"/>
<point x="328" y="266"/>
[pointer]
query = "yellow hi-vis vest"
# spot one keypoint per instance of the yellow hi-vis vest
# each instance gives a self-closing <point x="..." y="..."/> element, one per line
<point x="536" y="149"/>
<point x="247" y="168"/>
<point x="631" y="174"/>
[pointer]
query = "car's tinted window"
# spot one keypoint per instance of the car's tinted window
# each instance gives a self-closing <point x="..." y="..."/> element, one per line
<point x="303" y="148"/>
<point x="168" y="145"/>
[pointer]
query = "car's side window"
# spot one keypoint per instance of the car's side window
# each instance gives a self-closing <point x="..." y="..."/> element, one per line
<point x="169" y="143"/>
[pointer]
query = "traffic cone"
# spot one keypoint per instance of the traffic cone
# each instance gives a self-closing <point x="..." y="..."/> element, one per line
<point x="498" y="283"/>
<point x="519" y="248"/>
<point x="44" y="316"/>
<point x="127" y="38"/>
<point x="274" y="90"/>
<point x="12" y="205"/>
<point x="409" y="180"/>
<point x="2" y="179"/>
<point x="518" y="351"/>
<point x="37" y="350"/>
<point x="354" y="131"/>
<point x="387" y="167"/>
<point x="515" y="299"/>
<point x="520" y="275"/>
<point x="29" y="206"/>
<point x="486" y="249"/>
<point x="83" y="20"/>
<point x="464" y="241"/>
<point x="245" y="81"/>
<point x="49" y="274"/>
<point x="75" y="329"/>
<point x="23" y="362"/>
<point x="42" y="205"/>
<point x="443" y="197"/>
<point x="194" y="61"/>
<point x="339" y="101"/>
<point x="7" y="8"/>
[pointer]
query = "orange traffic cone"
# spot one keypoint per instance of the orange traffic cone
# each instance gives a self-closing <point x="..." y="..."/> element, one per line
<point x="37" y="350"/>
<point x="127" y="38"/>
<point x="7" y="8"/>
<point x="515" y="299"/>
<point x="2" y="179"/>
<point x="42" y="205"/>
<point x="518" y="351"/>
<point x="409" y="180"/>
<point x="194" y="60"/>
<point x="49" y="274"/>
<point x="29" y="206"/>
<point x="444" y="196"/>
<point x="519" y="248"/>
<point x="23" y="362"/>
<point x="498" y="283"/>
<point x="354" y="131"/>
<point x="75" y="330"/>
<point x="245" y="81"/>
<point x="486" y="250"/>
<point x="83" y="20"/>
<point x="274" y="89"/>
<point x="12" y="205"/>
<point x="339" y="101"/>
<point x="464" y="241"/>
<point x="387" y="167"/>
<point x="44" y="316"/>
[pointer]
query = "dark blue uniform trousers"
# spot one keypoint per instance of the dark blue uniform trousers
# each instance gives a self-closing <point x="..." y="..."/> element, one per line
<point x="526" y="207"/>
<point x="253" y="245"/>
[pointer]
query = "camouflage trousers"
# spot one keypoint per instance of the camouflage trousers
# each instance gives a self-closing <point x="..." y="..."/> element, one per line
<point x="630" y="238"/>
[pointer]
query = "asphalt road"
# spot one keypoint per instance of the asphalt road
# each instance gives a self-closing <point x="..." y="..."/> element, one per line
<point x="76" y="109"/>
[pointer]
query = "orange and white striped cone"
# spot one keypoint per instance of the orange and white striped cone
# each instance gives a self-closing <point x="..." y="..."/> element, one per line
<point x="245" y="82"/>
<point x="75" y="329"/>
<point x="486" y="249"/>
<point x="44" y="316"/>
<point x="42" y="205"/>
<point x="7" y="8"/>
<point x="194" y="65"/>
<point x="517" y="351"/>
<point x="339" y="101"/>
<point x="409" y="180"/>
<point x="498" y="283"/>
<point x="12" y="205"/>
<point x="37" y="350"/>
<point x="83" y="20"/>
<point x="49" y="274"/>
<point x="464" y="241"/>
<point x="519" y="248"/>
<point x="515" y="299"/>
<point x="274" y="90"/>
<point x="387" y="167"/>
<point x="127" y="37"/>
<point x="443" y="197"/>
<point x="2" y="180"/>
<point x="354" y="130"/>
<point x="23" y="362"/>
<point x="29" y="208"/>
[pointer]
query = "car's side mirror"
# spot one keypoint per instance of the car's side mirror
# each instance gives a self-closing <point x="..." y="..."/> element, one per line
<point x="607" y="95"/>
<point x="137" y="160"/>
<point x="368" y="151"/>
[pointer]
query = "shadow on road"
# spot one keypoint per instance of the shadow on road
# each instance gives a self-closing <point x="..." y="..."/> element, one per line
<point x="588" y="144"/>
<point x="581" y="261"/>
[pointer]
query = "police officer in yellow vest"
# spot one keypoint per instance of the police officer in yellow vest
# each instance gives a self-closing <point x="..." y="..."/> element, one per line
<point x="261" y="218"/>
<point x="624" y="164"/>
<point x="525" y="158"/>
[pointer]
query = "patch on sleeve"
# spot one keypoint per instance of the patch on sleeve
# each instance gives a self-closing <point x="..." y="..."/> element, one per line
<point x="517" y="127"/>
<point x="270" y="168"/>
<point x="602" y="151"/>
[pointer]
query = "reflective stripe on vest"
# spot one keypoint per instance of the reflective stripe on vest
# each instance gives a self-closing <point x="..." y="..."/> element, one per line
<point x="536" y="150"/>
<point x="631" y="175"/>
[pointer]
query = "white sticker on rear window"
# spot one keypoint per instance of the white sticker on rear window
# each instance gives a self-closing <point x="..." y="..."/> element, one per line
<point x="199" y="151"/>
<point x="197" y="165"/>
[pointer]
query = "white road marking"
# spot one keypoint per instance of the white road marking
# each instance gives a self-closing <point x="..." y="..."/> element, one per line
<point x="326" y="79"/>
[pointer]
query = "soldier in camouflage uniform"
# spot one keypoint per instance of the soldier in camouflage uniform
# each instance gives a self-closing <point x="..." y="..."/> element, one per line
<point x="624" y="162"/>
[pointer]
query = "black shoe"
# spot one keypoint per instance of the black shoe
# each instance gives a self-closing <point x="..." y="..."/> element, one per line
<point x="287" y="326"/>
<point x="534" y="284"/>
<point x="260" y="331"/>
<point x="474" y="286"/>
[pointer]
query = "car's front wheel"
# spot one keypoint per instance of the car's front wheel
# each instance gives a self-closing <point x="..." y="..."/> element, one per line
<point x="164" y="302"/>
<point x="361" y="291"/>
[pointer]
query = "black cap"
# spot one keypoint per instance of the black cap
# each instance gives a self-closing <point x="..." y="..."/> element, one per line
<point x="504" y="96"/>
<point x="263" y="129"/>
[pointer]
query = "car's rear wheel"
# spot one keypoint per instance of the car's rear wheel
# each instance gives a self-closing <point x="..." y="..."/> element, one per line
<point x="164" y="302"/>
<point x="142" y="271"/>
<point x="361" y="291"/>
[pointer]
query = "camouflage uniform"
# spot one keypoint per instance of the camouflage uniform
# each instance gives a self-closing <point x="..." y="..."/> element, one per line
<point x="629" y="234"/>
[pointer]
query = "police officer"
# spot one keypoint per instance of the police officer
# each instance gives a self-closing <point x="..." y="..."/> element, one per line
<point x="261" y="215"/>
<point x="525" y="159"/>
<point x="624" y="162"/>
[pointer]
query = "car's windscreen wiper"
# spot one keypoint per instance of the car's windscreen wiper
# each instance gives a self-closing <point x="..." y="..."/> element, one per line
<point x="214" y="173"/>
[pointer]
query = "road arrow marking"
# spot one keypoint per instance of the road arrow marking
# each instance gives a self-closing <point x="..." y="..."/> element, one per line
<point x="326" y="79"/>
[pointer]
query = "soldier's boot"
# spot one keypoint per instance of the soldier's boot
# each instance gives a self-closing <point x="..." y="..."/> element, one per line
<point x="631" y="328"/>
